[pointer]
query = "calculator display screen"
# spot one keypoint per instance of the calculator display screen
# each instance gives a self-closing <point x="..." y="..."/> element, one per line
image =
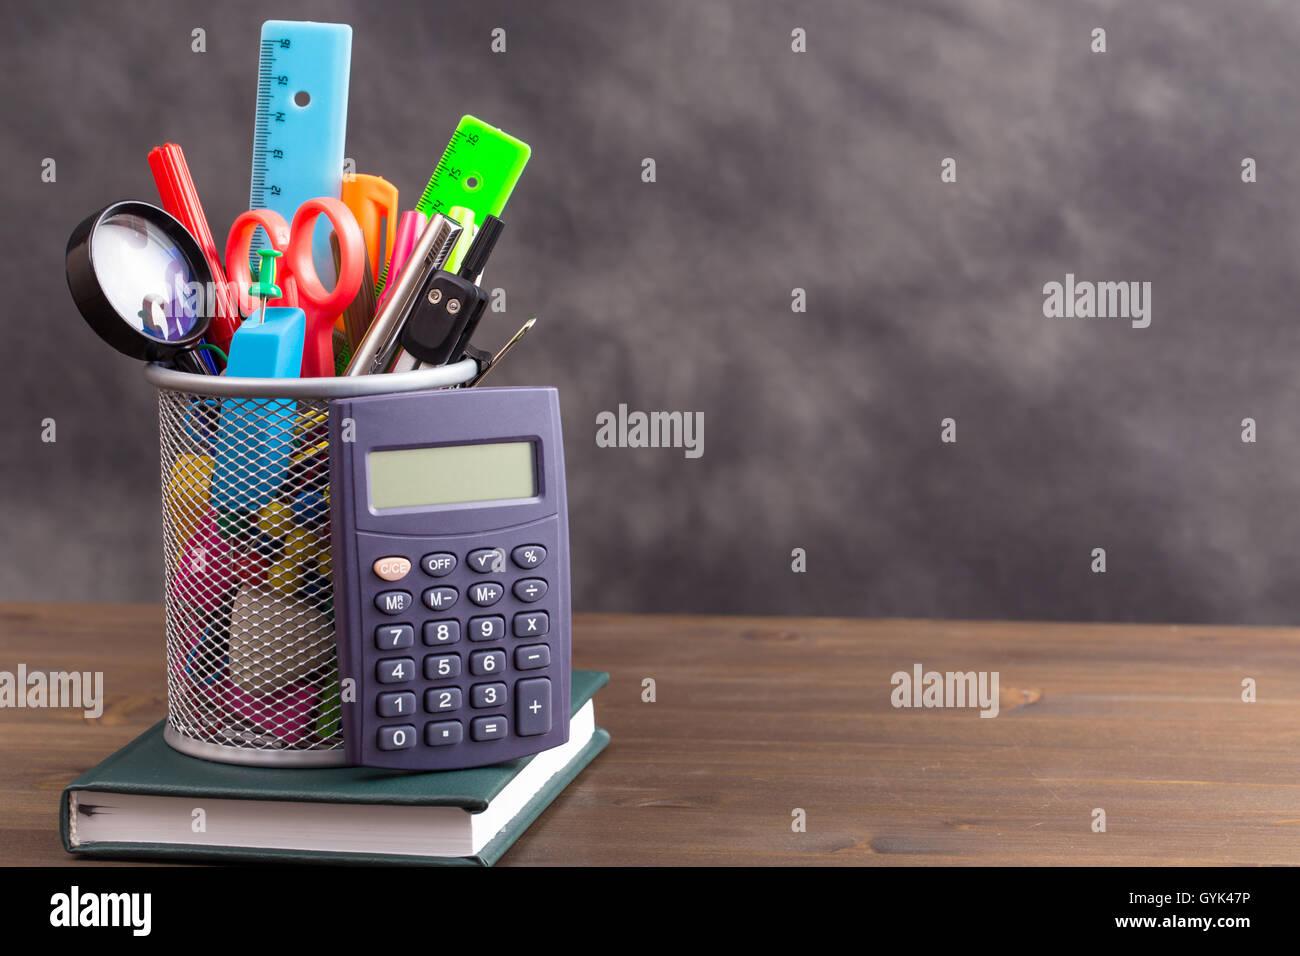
<point x="452" y="474"/>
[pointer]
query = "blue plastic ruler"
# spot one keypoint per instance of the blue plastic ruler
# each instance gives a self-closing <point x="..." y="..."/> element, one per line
<point x="301" y="123"/>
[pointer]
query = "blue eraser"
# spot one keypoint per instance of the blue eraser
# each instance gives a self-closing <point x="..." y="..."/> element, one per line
<point x="255" y="436"/>
<point x="268" y="344"/>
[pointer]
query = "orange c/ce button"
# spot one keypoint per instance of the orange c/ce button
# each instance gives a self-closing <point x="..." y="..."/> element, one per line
<point x="393" y="568"/>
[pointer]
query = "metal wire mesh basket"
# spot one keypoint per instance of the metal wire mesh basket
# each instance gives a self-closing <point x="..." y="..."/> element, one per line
<point x="252" y="668"/>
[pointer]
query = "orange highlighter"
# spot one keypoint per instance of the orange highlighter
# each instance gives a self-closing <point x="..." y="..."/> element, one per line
<point x="373" y="201"/>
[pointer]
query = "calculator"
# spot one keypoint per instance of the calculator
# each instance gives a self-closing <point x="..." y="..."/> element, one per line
<point x="450" y="542"/>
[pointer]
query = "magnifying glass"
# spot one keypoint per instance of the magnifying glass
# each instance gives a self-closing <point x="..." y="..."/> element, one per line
<point x="142" y="282"/>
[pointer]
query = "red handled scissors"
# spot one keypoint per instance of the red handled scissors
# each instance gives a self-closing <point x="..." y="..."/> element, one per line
<point x="297" y="276"/>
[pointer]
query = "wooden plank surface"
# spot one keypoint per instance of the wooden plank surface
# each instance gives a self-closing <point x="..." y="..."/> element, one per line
<point x="755" y="717"/>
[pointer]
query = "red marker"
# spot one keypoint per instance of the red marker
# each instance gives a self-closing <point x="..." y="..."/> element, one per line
<point x="181" y="199"/>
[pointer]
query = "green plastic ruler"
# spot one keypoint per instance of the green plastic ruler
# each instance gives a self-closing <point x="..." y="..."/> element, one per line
<point x="478" y="170"/>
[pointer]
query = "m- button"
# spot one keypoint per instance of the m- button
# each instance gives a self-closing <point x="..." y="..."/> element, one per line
<point x="392" y="568"/>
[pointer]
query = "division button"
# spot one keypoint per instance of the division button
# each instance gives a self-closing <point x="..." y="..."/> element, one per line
<point x="530" y="589"/>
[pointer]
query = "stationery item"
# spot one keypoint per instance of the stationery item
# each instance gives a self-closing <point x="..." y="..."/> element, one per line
<point x="180" y="198"/>
<point x="255" y="436"/>
<point x="446" y="309"/>
<point x="373" y="201"/>
<point x="186" y="497"/>
<point x="265" y="288"/>
<point x="379" y="347"/>
<point x="138" y="804"/>
<point x="491" y="363"/>
<point x="478" y="170"/>
<point x="357" y="316"/>
<point x="285" y="715"/>
<point x="267" y="650"/>
<point x="139" y="279"/>
<point x="409" y="230"/>
<point x="468" y="228"/>
<point x="451" y="576"/>
<point x="302" y="549"/>
<point x="298" y="276"/>
<point x="205" y="578"/>
<point x="300" y="122"/>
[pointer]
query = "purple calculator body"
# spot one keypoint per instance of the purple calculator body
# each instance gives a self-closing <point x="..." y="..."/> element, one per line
<point x="450" y="542"/>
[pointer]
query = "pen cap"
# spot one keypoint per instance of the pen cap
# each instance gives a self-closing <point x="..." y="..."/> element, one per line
<point x="481" y="249"/>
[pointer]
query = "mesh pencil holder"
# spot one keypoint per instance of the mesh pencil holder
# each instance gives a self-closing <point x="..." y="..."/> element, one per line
<point x="252" y="668"/>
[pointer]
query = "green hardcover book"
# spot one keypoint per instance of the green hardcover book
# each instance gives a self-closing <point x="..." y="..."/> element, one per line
<point x="146" y="800"/>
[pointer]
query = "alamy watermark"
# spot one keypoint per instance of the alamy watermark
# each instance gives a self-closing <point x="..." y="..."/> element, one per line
<point x="636" y="429"/>
<point x="83" y="690"/>
<point x="1073" y="299"/>
<point x="922" y="688"/>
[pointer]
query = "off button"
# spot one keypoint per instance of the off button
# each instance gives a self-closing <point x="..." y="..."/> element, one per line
<point x="392" y="568"/>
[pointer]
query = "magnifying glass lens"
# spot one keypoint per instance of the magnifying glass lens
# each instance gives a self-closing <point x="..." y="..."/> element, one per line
<point x="145" y="277"/>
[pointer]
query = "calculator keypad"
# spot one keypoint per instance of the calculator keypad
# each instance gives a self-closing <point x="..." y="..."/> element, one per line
<point x="482" y="672"/>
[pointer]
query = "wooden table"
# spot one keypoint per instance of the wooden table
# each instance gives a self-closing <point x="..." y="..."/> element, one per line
<point x="755" y="717"/>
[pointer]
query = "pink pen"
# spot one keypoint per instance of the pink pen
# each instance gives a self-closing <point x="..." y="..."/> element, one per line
<point x="409" y="229"/>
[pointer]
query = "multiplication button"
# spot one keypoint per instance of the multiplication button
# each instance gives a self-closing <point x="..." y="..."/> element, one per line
<point x="531" y="624"/>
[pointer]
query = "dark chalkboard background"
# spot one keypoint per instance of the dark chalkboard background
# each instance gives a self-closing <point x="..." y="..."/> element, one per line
<point x="775" y="170"/>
